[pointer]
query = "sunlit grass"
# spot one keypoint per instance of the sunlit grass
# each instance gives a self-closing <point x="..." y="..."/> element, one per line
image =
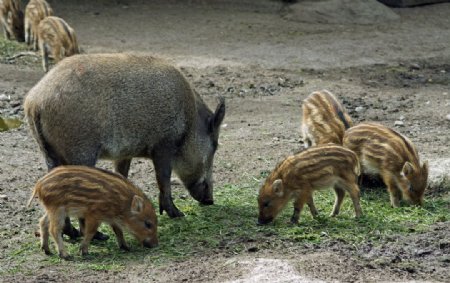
<point x="229" y="226"/>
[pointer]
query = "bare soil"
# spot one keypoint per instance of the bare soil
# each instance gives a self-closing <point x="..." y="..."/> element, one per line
<point x="265" y="64"/>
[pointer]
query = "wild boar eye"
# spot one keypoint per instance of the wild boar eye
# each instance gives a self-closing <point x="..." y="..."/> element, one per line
<point x="266" y="203"/>
<point x="148" y="224"/>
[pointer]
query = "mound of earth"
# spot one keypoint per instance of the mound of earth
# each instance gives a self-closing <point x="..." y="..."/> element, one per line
<point x="341" y="12"/>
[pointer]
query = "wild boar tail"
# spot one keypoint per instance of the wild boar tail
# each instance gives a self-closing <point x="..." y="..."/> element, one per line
<point x="33" y="195"/>
<point x="34" y="121"/>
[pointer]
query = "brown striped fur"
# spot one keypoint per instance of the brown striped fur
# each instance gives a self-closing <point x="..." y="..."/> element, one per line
<point x="298" y="176"/>
<point x="35" y="12"/>
<point x="324" y="119"/>
<point x="11" y="19"/>
<point x="57" y="37"/>
<point x="96" y="196"/>
<point x="385" y="152"/>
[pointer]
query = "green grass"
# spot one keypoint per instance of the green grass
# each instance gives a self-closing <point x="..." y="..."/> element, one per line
<point x="10" y="47"/>
<point x="230" y="227"/>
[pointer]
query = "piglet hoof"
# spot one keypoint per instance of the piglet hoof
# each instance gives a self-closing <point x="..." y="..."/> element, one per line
<point x="65" y="256"/>
<point x="99" y="236"/>
<point x="124" y="247"/>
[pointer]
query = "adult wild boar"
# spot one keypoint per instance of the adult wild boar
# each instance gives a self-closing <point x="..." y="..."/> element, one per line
<point x="121" y="106"/>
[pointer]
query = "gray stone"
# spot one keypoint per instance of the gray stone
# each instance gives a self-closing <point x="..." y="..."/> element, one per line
<point x="360" y="109"/>
<point x="399" y="123"/>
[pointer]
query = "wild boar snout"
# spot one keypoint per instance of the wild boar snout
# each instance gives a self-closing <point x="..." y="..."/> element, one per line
<point x="264" y="221"/>
<point x="202" y="191"/>
<point x="150" y="243"/>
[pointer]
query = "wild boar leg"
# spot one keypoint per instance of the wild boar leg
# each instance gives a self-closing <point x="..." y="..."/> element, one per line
<point x="353" y="190"/>
<point x="340" y="193"/>
<point x="312" y="207"/>
<point x="122" y="166"/>
<point x="5" y="31"/>
<point x="44" y="54"/>
<point x="163" y="170"/>
<point x="90" y="228"/>
<point x="299" y="202"/>
<point x="69" y="230"/>
<point x="56" y="219"/>
<point x="394" y="192"/>
<point x="120" y="239"/>
<point x="43" y="223"/>
<point x="98" y="235"/>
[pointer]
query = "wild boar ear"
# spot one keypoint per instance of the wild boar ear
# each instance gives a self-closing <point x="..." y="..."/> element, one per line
<point x="137" y="204"/>
<point x="219" y="114"/>
<point x="425" y="166"/>
<point x="277" y="187"/>
<point x="407" y="169"/>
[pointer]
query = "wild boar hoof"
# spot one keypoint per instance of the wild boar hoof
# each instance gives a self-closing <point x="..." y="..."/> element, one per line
<point x="124" y="248"/>
<point x="172" y="211"/>
<point x="100" y="236"/>
<point x="65" y="256"/>
<point x="47" y="251"/>
<point x="72" y="232"/>
<point x="294" y="220"/>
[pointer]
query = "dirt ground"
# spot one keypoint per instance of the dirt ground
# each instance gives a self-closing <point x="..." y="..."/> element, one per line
<point x="265" y="64"/>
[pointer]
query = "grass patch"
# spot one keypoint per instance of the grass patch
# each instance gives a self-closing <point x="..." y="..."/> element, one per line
<point x="230" y="227"/>
<point x="10" y="48"/>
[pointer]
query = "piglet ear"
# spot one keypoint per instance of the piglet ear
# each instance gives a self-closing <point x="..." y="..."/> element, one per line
<point x="407" y="169"/>
<point x="137" y="204"/>
<point x="277" y="187"/>
<point x="425" y="166"/>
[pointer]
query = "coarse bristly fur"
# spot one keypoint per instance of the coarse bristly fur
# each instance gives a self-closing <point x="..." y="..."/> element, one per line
<point x="55" y="36"/>
<point x="11" y="19"/>
<point x="387" y="153"/>
<point x="324" y="119"/>
<point x="298" y="176"/>
<point x="35" y="12"/>
<point x="96" y="196"/>
<point x="121" y="106"/>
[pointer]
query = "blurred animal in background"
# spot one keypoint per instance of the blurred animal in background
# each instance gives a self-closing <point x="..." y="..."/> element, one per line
<point x="55" y="36"/>
<point x="11" y="19"/>
<point x="324" y="119"/>
<point x="35" y="12"/>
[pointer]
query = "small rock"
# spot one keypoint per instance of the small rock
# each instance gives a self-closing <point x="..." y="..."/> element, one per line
<point x="5" y="197"/>
<point x="402" y="118"/>
<point x="228" y="165"/>
<point x="415" y="66"/>
<point x="447" y="117"/>
<point x="360" y="109"/>
<point x="399" y="123"/>
<point x="4" y="97"/>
